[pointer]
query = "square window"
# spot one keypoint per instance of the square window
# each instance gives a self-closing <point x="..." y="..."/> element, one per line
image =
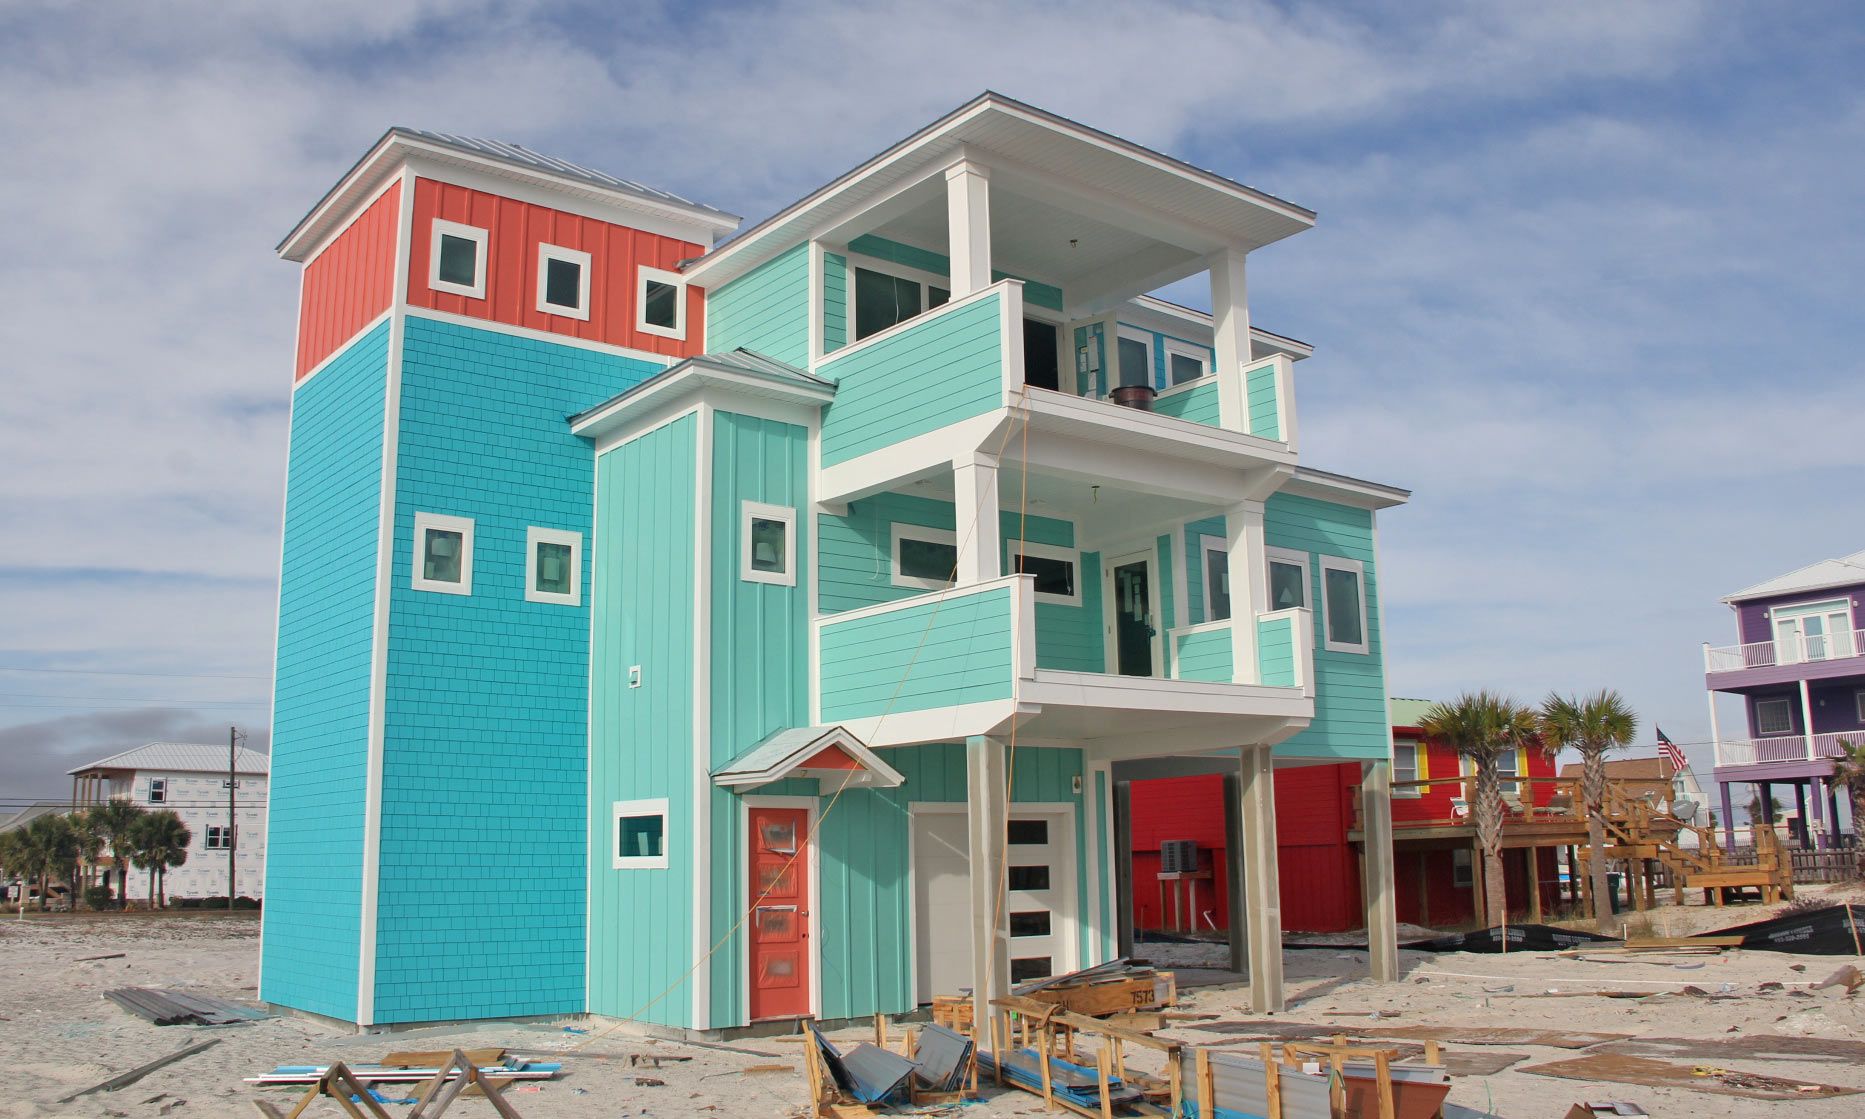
<point x="562" y="281"/>
<point x="1053" y="567"/>
<point x="1774" y="716"/>
<point x="457" y="259"/>
<point x="219" y="837"/>
<point x="553" y="566"/>
<point x="1288" y="578"/>
<point x="769" y="544"/>
<point x="443" y="554"/>
<point x="1029" y="831"/>
<point x="640" y="834"/>
<point x="924" y="557"/>
<point x="1031" y="967"/>
<point x="1029" y="877"/>
<point x="661" y="303"/>
<point x="1185" y="363"/>
<point x="882" y="301"/>
<point x="1343" y="590"/>
<point x="1034" y="923"/>
<point x="158" y="790"/>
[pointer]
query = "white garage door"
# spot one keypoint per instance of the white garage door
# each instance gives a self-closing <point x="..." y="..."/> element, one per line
<point x="1039" y="891"/>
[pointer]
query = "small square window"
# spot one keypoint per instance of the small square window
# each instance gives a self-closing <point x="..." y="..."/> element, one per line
<point x="1034" y="923"/>
<point x="158" y="790"/>
<point x="926" y="558"/>
<point x="1032" y="967"/>
<point x="1288" y="578"/>
<point x="1774" y="717"/>
<point x="553" y="566"/>
<point x="1185" y="363"/>
<point x="443" y="554"/>
<point x="1053" y="567"/>
<point x="769" y="544"/>
<point x="1029" y="832"/>
<point x="640" y="834"/>
<point x="457" y="263"/>
<point x="219" y="837"/>
<point x="661" y="303"/>
<point x="562" y="281"/>
<point x="1028" y="877"/>
<point x="1343" y="588"/>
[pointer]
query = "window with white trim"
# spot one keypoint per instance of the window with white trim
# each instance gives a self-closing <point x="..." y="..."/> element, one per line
<point x="1185" y="362"/>
<point x="1056" y="570"/>
<point x="158" y="790"/>
<point x="562" y="281"/>
<point x="1133" y="358"/>
<point x="1343" y="597"/>
<point x="640" y="831"/>
<point x="1509" y="765"/>
<point x="769" y="547"/>
<point x="443" y="554"/>
<point x="660" y="303"/>
<point x="1774" y="716"/>
<point x="1214" y="553"/>
<point x="219" y="837"/>
<point x="1858" y="703"/>
<point x="1288" y="578"/>
<point x="1463" y="871"/>
<point x="885" y="298"/>
<point x="1405" y="757"/>
<point x="553" y="566"/>
<point x="924" y="558"/>
<point x="457" y="259"/>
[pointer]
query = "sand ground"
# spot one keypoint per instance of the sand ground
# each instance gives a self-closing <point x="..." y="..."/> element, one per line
<point x="57" y="1033"/>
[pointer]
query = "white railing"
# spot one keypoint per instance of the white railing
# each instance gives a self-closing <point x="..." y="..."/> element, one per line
<point x="1784" y="748"/>
<point x="1798" y="650"/>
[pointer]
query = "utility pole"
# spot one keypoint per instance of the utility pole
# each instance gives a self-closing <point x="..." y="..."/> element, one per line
<point x="233" y="784"/>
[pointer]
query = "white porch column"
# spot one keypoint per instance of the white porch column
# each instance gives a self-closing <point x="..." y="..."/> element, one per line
<point x="1246" y="565"/>
<point x="1380" y="886"/>
<point x="968" y="225"/>
<point x="1262" y="890"/>
<point x="986" y="813"/>
<point x="1230" y="326"/>
<point x="1806" y="716"/>
<point x="1716" y="734"/>
<point x="980" y="544"/>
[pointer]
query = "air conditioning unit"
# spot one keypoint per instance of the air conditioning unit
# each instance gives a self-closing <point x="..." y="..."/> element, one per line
<point x="1178" y="856"/>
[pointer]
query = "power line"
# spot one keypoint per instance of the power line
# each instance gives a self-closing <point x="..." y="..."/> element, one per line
<point x="120" y="699"/>
<point x="111" y="672"/>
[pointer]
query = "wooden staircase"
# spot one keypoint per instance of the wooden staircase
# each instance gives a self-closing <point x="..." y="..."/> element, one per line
<point x="1639" y="833"/>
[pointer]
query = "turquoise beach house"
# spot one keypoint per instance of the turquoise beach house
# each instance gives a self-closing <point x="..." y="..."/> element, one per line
<point x="706" y="626"/>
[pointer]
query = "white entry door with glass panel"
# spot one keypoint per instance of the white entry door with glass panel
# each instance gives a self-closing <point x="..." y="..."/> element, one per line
<point x="1039" y="892"/>
<point x="1814" y="632"/>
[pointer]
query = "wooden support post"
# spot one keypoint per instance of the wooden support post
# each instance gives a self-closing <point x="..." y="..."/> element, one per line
<point x="1534" y="884"/>
<point x="1263" y="900"/>
<point x="1101" y="1075"/>
<point x="1382" y="1065"/>
<point x="1000" y="1044"/>
<point x="1379" y="883"/>
<point x="1207" y="1094"/>
<point x="1272" y="1083"/>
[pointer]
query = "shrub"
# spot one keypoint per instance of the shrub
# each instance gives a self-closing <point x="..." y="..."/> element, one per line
<point x="244" y="902"/>
<point x="185" y="903"/>
<point x="100" y="897"/>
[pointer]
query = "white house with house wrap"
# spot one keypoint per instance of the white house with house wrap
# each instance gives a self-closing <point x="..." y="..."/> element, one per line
<point x="190" y="779"/>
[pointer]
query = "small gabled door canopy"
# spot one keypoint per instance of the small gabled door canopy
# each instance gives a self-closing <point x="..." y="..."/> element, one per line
<point x="830" y="754"/>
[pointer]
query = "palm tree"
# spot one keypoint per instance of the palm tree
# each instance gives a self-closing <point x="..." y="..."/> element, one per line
<point x="46" y="845"/>
<point x="1849" y="770"/>
<point x="1592" y="727"/>
<point x="89" y="839"/>
<point x="1482" y="727"/>
<point x="160" y="840"/>
<point x="115" y="821"/>
<point x="14" y="860"/>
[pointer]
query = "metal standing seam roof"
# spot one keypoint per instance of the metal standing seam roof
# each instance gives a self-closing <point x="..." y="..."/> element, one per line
<point x="742" y="361"/>
<point x="1406" y="712"/>
<point x="1814" y="577"/>
<point x="181" y="757"/>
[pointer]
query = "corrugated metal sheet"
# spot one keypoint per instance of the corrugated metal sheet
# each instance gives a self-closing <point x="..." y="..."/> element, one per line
<point x="181" y="757"/>
<point x="179" y="1008"/>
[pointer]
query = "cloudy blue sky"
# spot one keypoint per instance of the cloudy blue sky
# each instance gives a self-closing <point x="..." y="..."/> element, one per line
<point x="1587" y="277"/>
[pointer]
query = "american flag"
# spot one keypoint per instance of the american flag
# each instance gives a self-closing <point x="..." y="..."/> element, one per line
<point x="1669" y="749"/>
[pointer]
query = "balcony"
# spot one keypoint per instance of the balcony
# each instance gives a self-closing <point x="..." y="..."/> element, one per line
<point x="946" y="665"/>
<point x="1787" y="749"/>
<point x="1809" y="657"/>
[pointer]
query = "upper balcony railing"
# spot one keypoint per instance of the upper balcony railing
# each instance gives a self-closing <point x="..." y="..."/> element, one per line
<point x="1805" y="649"/>
<point x="1784" y="748"/>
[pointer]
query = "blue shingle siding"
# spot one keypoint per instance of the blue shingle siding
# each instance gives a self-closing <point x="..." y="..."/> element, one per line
<point x="484" y="795"/>
<point x="320" y="733"/>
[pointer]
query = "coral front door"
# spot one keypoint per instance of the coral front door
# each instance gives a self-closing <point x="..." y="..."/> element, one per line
<point x="780" y="948"/>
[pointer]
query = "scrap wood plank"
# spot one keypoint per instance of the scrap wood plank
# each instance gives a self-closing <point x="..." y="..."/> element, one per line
<point x="434" y="1058"/>
<point x="1496" y="1035"/>
<point x="1753" y="1047"/>
<point x="125" y="1079"/>
<point x="1636" y="943"/>
<point x="1650" y="1073"/>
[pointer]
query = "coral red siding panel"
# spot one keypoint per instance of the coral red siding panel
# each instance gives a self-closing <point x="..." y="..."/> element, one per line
<point x="515" y="230"/>
<point x="348" y="284"/>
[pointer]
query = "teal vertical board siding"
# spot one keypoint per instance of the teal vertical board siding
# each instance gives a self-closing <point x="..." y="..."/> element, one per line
<point x="320" y="730"/>
<point x="1275" y="652"/>
<point x="1260" y="391"/>
<point x="641" y="921"/>
<point x="865" y="935"/>
<point x="760" y="654"/>
<point x="485" y="724"/>
<point x="1206" y="655"/>
<point x="880" y="248"/>
<point x="1197" y="404"/>
<point x="855" y="564"/>
<point x="834" y="302"/>
<point x="1194" y="566"/>
<point x="937" y="372"/>
<point x="1350" y="691"/>
<point x="765" y="310"/>
<point x="931" y="654"/>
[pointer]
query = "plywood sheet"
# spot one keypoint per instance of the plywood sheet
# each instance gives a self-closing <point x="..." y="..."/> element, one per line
<point x="1753" y="1047"/>
<point x="1643" y="1071"/>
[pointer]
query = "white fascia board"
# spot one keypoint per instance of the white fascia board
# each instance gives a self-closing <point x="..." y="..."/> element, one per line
<point x="1341" y="490"/>
<point x="1053" y="688"/>
<point x="909" y="459"/>
<point x="609" y="423"/>
<point x="937" y="724"/>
